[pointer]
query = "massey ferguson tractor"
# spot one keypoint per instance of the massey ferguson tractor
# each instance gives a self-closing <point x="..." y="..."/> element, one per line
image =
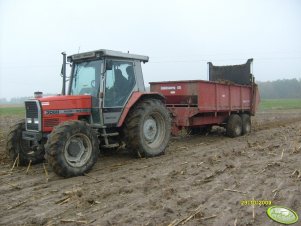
<point x="106" y="106"/>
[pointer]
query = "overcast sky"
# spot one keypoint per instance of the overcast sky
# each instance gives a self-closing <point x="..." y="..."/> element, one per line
<point x="180" y="37"/>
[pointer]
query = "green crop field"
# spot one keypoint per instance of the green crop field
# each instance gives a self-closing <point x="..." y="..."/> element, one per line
<point x="12" y="110"/>
<point x="280" y="104"/>
<point x="266" y="104"/>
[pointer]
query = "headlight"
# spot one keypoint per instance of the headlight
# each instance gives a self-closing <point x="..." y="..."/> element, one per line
<point x="28" y="120"/>
<point x="36" y="121"/>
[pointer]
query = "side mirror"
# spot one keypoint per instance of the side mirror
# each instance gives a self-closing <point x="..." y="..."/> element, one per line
<point x="109" y="65"/>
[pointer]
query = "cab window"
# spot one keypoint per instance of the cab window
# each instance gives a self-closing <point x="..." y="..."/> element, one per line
<point x="86" y="78"/>
<point x="119" y="83"/>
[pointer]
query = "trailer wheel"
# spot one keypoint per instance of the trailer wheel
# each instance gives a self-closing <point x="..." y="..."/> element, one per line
<point x="246" y="124"/>
<point x="148" y="128"/>
<point x="27" y="150"/>
<point x="234" y="126"/>
<point x="72" y="148"/>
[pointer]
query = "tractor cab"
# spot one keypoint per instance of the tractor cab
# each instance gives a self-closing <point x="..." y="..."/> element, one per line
<point x="106" y="107"/>
<point x="109" y="77"/>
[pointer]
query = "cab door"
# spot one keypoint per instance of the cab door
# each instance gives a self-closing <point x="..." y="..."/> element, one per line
<point x="86" y="80"/>
<point x="120" y="82"/>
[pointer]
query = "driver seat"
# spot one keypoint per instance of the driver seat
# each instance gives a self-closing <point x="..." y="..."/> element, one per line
<point x="120" y="80"/>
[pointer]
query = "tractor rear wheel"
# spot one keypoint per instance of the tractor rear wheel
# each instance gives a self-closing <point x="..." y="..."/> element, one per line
<point x="27" y="150"/>
<point x="147" y="128"/>
<point x="72" y="148"/>
<point x="246" y="124"/>
<point x="234" y="126"/>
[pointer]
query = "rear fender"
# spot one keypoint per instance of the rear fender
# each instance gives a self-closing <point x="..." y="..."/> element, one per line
<point x="135" y="98"/>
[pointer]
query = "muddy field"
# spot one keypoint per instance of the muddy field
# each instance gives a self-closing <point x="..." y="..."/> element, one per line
<point x="201" y="180"/>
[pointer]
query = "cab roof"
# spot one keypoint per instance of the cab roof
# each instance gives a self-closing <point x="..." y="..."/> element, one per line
<point x="107" y="53"/>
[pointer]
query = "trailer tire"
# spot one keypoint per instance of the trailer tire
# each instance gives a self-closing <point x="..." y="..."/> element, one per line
<point x="147" y="128"/>
<point x="246" y="124"/>
<point x="234" y="126"/>
<point x="16" y="146"/>
<point x="72" y="148"/>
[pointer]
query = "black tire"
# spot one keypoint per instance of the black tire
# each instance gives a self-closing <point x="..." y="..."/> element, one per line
<point x="234" y="126"/>
<point x="147" y="128"/>
<point x="26" y="149"/>
<point x="246" y="124"/>
<point x="72" y="148"/>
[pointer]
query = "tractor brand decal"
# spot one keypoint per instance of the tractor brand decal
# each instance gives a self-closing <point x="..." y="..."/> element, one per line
<point x="51" y="112"/>
<point x="67" y="111"/>
<point x="45" y="103"/>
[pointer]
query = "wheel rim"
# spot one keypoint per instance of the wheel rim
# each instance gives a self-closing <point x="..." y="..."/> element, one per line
<point x="238" y="130"/>
<point x="78" y="150"/>
<point x="154" y="130"/>
<point x="247" y="127"/>
<point x="150" y="129"/>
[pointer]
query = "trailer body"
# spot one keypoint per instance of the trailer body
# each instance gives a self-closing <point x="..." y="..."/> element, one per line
<point x="198" y="103"/>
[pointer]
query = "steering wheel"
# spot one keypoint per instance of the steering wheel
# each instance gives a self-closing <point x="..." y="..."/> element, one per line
<point x="92" y="83"/>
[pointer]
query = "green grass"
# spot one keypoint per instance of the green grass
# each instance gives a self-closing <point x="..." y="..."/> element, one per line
<point x="265" y="104"/>
<point x="17" y="111"/>
<point x="280" y="104"/>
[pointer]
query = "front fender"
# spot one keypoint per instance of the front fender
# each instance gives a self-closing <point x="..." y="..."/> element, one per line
<point x="136" y="97"/>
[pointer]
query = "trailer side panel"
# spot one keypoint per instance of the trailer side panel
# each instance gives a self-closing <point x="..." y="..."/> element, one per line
<point x="197" y="103"/>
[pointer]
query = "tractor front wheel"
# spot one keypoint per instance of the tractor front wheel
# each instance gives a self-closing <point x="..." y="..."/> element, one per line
<point x="72" y="148"/>
<point x="147" y="128"/>
<point x="26" y="150"/>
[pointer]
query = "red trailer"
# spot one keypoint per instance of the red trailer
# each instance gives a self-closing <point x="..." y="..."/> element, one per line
<point x="197" y="103"/>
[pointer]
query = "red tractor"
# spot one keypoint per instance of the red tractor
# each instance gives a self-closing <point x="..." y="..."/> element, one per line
<point x="106" y="106"/>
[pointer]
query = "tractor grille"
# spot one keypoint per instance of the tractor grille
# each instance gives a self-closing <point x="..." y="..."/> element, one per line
<point x="33" y="119"/>
<point x="51" y="122"/>
<point x="31" y="109"/>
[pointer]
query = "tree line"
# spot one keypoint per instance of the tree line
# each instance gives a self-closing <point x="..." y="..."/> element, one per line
<point x="280" y="89"/>
<point x="19" y="100"/>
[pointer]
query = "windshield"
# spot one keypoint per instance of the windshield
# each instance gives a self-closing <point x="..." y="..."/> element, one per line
<point x="86" y="78"/>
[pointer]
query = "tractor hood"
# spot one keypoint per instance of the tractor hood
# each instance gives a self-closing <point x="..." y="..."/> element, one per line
<point x="65" y="102"/>
<point x="58" y="109"/>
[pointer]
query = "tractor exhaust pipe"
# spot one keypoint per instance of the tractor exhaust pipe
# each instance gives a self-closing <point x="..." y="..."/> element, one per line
<point x="63" y="72"/>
